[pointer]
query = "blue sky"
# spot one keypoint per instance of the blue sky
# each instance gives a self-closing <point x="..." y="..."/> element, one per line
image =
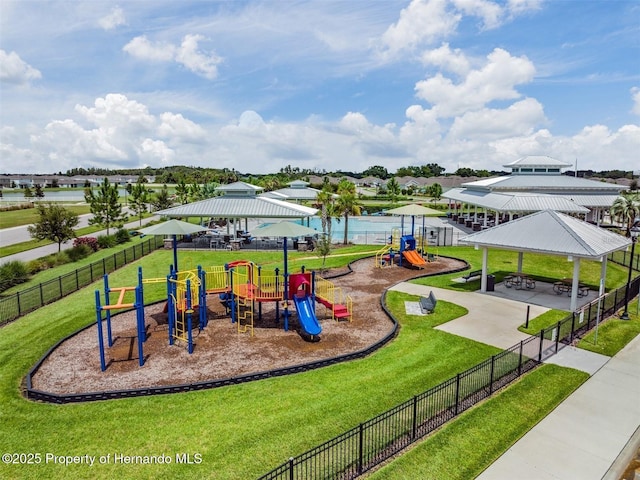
<point x="325" y="85"/>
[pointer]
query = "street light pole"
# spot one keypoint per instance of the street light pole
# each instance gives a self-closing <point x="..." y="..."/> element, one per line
<point x="634" y="236"/>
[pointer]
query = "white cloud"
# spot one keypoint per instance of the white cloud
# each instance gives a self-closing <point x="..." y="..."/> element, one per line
<point x="152" y="151"/>
<point x="422" y="22"/>
<point x="517" y="7"/>
<point x="517" y="119"/>
<point x="113" y="20"/>
<point x="16" y="71"/>
<point x="494" y="81"/>
<point x="176" y="126"/>
<point x="490" y="12"/>
<point x="187" y="54"/>
<point x="450" y="60"/>
<point x="635" y="96"/>
<point x="141" y="47"/>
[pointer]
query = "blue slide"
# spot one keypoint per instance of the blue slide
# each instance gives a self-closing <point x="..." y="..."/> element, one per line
<point x="306" y="315"/>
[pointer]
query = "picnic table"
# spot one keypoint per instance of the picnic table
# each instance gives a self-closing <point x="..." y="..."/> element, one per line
<point x="519" y="280"/>
<point x="566" y="284"/>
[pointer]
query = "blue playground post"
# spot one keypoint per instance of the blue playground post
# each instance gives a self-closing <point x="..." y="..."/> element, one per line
<point x="277" y="290"/>
<point x="106" y="302"/>
<point x="170" y="307"/>
<point x="189" y="311"/>
<point x="202" y="302"/>
<point x="142" y="334"/>
<point x="233" y="297"/>
<point x="103" y="365"/>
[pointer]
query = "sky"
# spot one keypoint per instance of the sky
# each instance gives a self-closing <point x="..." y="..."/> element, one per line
<point x="325" y="85"/>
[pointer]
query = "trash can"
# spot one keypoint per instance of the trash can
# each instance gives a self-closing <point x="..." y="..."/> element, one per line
<point x="491" y="283"/>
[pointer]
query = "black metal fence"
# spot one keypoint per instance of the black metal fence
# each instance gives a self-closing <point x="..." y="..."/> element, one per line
<point x="30" y="299"/>
<point x="360" y="449"/>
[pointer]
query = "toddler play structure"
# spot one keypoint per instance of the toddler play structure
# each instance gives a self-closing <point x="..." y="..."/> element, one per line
<point x="241" y="286"/>
<point x="399" y="248"/>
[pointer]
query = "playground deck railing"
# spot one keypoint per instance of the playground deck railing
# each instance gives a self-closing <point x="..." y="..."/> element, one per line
<point x="25" y="301"/>
<point x="374" y="441"/>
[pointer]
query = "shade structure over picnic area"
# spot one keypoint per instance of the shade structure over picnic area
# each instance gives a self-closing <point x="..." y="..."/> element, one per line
<point x="173" y="228"/>
<point x="553" y="233"/>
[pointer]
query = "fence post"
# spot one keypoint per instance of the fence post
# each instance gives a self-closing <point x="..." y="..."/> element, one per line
<point x="104" y="265"/>
<point x="290" y="468"/>
<point x="41" y="295"/>
<point x="557" y="336"/>
<point x="360" y="448"/>
<point x="77" y="280"/>
<point x="457" y="393"/>
<point x="520" y="357"/>
<point x="415" y="417"/>
<point x="60" y="286"/>
<point x="541" y="345"/>
<point x="573" y="326"/>
<point x="18" y="300"/>
<point x="493" y="362"/>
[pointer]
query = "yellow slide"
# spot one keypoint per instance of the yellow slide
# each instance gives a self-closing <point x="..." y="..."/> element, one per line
<point x="414" y="258"/>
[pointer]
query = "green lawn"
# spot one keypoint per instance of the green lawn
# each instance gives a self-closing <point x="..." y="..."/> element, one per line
<point x="27" y="216"/>
<point x="241" y="431"/>
<point x="613" y="334"/>
<point x="463" y="448"/>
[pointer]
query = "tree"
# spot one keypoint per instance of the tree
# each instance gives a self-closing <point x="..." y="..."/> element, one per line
<point x="182" y="192"/>
<point x="39" y="192"/>
<point x="54" y="223"/>
<point x="347" y="204"/>
<point x="435" y="192"/>
<point x="626" y="209"/>
<point x="393" y="189"/>
<point x="105" y="207"/>
<point x="161" y="200"/>
<point x="376" y="171"/>
<point x="139" y="199"/>
<point x="27" y="192"/>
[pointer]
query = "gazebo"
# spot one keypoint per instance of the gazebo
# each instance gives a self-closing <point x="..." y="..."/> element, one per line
<point x="239" y="201"/>
<point x="553" y="233"/>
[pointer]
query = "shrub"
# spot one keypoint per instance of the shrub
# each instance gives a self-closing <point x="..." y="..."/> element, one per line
<point x="79" y="252"/>
<point x="106" y="241"/>
<point x="91" y="242"/>
<point x="122" y="236"/>
<point x="12" y="273"/>
<point x="56" y="259"/>
<point x="35" y="266"/>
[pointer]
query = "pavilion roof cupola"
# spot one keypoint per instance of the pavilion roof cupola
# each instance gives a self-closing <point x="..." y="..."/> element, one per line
<point x="537" y="165"/>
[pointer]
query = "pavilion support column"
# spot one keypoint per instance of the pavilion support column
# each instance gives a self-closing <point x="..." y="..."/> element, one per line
<point x="497" y="222"/>
<point x="483" y="279"/>
<point x="475" y="213"/>
<point x="574" y="284"/>
<point x="486" y="215"/>
<point x="520" y="256"/>
<point x="603" y="275"/>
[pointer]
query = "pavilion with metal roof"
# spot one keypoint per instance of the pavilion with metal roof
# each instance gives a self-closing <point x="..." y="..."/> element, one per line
<point x="552" y="233"/>
<point x="239" y="200"/>
<point x="537" y="176"/>
<point x="298" y="190"/>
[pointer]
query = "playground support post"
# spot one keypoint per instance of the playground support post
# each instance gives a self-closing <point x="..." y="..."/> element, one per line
<point x="107" y="290"/>
<point x="170" y="308"/>
<point x="103" y="364"/>
<point x="189" y="311"/>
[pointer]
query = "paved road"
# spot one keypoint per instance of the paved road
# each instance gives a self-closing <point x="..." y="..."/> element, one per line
<point x="10" y="236"/>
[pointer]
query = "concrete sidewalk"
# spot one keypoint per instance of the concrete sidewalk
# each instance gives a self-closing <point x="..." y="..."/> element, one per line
<point x="583" y="437"/>
<point x="594" y="433"/>
<point x="40" y="252"/>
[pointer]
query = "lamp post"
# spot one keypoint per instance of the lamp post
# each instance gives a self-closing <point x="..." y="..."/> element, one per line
<point x="635" y="231"/>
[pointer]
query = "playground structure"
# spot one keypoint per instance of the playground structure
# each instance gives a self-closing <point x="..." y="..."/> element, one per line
<point x="399" y="248"/>
<point x="241" y="286"/>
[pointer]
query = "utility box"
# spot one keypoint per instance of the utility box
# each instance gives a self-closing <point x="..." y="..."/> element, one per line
<point x="491" y="283"/>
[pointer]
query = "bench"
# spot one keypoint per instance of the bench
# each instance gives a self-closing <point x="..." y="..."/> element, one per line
<point x="470" y="275"/>
<point x="428" y="304"/>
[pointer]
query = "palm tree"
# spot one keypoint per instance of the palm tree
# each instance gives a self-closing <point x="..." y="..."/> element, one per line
<point x="626" y="209"/>
<point x="393" y="189"/>
<point x="347" y="204"/>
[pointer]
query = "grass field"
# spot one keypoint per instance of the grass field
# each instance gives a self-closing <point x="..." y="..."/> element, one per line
<point x="240" y="431"/>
